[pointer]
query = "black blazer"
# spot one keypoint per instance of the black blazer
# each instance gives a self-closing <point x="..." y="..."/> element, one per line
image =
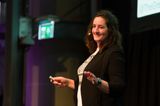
<point x="109" y="65"/>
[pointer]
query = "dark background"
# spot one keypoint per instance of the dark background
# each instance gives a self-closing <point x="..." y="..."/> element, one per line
<point x="25" y="64"/>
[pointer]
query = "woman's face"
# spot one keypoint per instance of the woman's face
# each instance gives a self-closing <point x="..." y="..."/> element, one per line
<point x="99" y="29"/>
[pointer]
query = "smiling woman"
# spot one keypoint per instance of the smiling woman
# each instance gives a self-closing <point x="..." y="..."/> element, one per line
<point x="99" y="30"/>
<point x="101" y="77"/>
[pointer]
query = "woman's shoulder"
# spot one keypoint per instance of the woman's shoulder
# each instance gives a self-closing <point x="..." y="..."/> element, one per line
<point x="113" y="48"/>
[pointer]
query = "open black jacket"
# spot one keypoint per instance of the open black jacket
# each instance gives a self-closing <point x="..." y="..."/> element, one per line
<point x="109" y="65"/>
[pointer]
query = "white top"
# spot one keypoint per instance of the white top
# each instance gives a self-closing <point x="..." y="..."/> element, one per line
<point x="80" y="75"/>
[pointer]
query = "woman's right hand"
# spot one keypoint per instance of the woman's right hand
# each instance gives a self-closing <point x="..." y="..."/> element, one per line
<point x="59" y="81"/>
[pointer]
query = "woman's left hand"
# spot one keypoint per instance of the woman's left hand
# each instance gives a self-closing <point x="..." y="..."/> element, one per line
<point x="90" y="76"/>
<point x="101" y="84"/>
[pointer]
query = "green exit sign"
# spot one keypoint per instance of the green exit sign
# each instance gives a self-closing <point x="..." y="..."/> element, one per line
<point x="46" y="29"/>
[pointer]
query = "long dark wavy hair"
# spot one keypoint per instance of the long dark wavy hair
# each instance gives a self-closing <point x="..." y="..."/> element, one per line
<point x="114" y="35"/>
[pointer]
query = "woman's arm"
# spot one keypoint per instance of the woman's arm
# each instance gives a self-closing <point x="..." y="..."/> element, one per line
<point x="62" y="82"/>
<point x="101" y="84"/>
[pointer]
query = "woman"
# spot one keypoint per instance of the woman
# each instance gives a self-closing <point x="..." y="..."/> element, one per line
<point x="101" y="77"/>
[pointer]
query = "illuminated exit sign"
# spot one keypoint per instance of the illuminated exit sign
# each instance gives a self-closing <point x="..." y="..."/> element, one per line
<point x="46" y="29"/>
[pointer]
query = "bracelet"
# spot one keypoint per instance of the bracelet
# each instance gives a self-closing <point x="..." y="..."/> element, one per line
<point x="98" y="81"/>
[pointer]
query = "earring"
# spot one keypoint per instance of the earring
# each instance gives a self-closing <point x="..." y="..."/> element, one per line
<point x="89" y="33"/>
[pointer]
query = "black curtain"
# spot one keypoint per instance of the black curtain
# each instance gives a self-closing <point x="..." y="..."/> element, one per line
<point x="143" y="69"/>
